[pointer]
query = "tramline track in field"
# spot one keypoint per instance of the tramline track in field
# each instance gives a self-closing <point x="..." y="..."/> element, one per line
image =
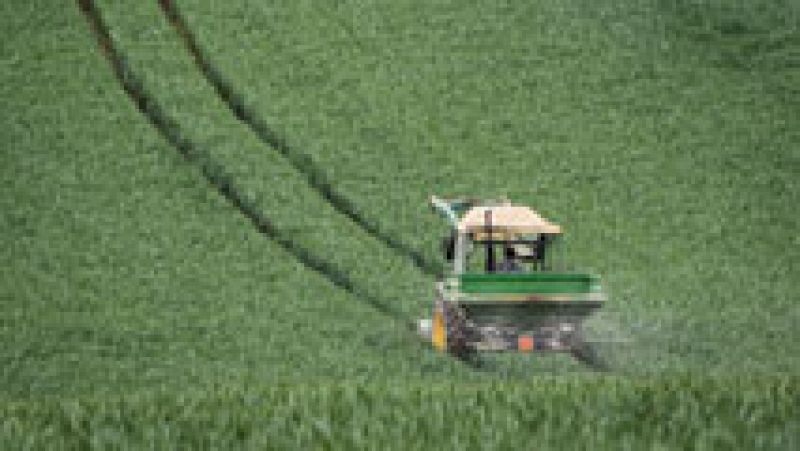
<point x="215" y="174"/>
<point x="301" y="161"/>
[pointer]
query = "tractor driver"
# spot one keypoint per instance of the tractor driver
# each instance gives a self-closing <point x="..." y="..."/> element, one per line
<point x="509" y="263"/>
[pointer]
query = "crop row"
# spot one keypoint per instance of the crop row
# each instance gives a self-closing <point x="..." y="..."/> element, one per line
<point x="701" y="413"/>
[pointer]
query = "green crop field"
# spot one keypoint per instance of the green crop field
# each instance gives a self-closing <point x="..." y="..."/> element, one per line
<point x="215" y="231"/>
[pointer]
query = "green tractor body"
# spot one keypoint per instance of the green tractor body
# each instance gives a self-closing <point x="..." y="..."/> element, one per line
<point x="513" y="300"/>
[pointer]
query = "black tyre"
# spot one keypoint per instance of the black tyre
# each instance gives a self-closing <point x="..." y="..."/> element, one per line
<point x="457" y="332"/>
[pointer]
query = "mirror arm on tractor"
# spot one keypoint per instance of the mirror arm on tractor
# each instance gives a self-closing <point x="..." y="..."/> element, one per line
<point x="445" y="208"/>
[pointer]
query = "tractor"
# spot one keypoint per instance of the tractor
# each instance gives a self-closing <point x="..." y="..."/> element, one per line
<point x="499" y="291"/>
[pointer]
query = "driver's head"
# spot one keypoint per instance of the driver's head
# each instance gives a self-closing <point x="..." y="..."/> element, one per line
<point x="509" y="252"/>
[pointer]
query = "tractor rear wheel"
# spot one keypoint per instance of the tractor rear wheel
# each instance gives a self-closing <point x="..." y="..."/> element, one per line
<point x="457" y="331"/>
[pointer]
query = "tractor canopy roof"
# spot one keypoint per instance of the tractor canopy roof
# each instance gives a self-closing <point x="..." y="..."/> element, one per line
<point x="505" y="218"/>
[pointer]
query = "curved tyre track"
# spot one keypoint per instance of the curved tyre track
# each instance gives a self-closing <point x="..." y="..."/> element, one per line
<point x="299" y="160"/>
<point x="214" y="174"/>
